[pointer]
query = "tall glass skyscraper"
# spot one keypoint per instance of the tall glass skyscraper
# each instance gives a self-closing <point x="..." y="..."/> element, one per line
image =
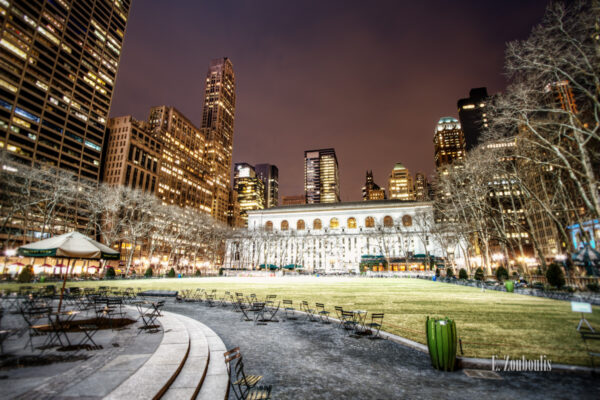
<point x="217" y="125"/>
<point x="321" y="176"/>
<point x="269" y="174"/>
<point x="59" y="66"/>
<point x="448" y="141"/>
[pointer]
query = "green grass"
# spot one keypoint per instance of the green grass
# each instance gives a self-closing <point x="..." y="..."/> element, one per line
<point x="489" y="323"/>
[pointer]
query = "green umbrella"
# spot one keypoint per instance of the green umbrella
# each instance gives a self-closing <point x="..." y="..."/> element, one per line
<point x="72" y="246"/>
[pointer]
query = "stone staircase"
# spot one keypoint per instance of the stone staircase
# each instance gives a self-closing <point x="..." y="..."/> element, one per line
<point x="188" y="364"/>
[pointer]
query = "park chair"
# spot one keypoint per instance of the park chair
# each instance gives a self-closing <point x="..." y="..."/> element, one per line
<point x="588" y="335"/>
<point x="32" y="316"/>
<point x="338" y="314"/>
<point x="270" y="312"/>
<point x="227" y="298"/>
<point x="322" y="313"/>
<point x="310" y="313"/>
<point x="210" y="300"/>
<point x="349" y="321"/>
<point x="89" y="330"/>
<point x="245" y="386"/>
<point x="288" y="309"/>
<point x="375" y="324"/>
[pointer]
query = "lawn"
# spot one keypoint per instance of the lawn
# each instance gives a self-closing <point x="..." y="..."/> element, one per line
<point x="489" y="323"/>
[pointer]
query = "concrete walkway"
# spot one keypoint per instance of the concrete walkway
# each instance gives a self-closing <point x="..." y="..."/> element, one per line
<point x="309" y="360"/>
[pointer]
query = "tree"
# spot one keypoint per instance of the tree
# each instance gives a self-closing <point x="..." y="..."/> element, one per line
<point x="501" y="273"/>
<point x="148" y="273"/>
<point x="555" y="275"/>
<point x="110" y="273"/>
<point x="171" y="273"/>
<point x="462" y="274"/>
<point x="449" y="272"/>
<point x="26" y="275"/>
<point x="479" y="274"/>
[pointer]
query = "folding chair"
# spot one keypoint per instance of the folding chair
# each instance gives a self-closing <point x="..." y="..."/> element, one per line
<point x="338" y="314"/>
<point x="288" y="309"/>
<point x="89" y="330"/>
<point x="348" y="321"/>
<point x="310" y="313"/>
<point x="322" y="313"/>
<point x="245" y="386"/>
<point x="32" y="317"/>
<point x="270" y="312"/>
<point x="376" y="322"/>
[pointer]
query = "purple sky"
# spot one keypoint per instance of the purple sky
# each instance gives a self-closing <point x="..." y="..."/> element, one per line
<point x="368" y="78"/>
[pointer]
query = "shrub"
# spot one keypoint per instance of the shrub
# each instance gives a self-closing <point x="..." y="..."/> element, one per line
<point x="501" y="274"/>
<point x="462" y="274"/>
<point x="197" y="273"/>
<point x="110" y="273"/>
<point x="479" y="274"/>
<point x="148" y="273"/>
<point x="437" y="272"/>
<point x="26" y="274"/>
<point x="220" y="271"/>
<point x="555" y="275"/>
<point x="449" y="273"/>
<point x="593" y="287"/>
<point x="171" y="273"/>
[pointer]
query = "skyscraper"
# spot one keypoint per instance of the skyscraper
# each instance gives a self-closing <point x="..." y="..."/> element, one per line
<point x="217" y="125"/>
<point x="421" y="187"/>
<point x="184" y="177"/>
<point x="321" y="176"/>
<point x="449" y="142"/>
<point x="372" y="191"/>
<point x="401" y="184"/>
<point x="59" y="66"/>
<point x="250" y="189"/>
<point x="269" y="174"/>
<point x="473" y="116"/>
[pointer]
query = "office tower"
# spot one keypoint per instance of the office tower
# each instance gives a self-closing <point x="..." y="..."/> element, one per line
<point x="59" y="65"/>
<point x="321" y="176"/>
<point x="234" y="218"/>
<point x="217" y="125"/>
<point x="372" y="191"/>
<point x="184" y="178"/>
<point x="449" y="142"/>
<point x="250" y="189"/>
<point x="473" y="116"/>
<point x="421" y="187"/>
<point x="401" y="184"/>
<point x="560" y="95"/>
<point x="133" y="155"/>
<point x="293" y="200"/>
<point x="269" y="174"/>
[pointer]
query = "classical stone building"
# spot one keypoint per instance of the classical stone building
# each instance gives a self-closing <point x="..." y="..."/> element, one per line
<point x="337" y="237"/>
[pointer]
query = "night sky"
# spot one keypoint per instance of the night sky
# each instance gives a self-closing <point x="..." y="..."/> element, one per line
<point x="368" y="78"/>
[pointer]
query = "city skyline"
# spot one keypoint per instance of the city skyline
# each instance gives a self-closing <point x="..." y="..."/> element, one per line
<point x="286" y="76"/>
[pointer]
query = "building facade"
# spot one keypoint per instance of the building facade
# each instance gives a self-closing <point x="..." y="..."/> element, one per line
<point x="334" y="238"/>
<point x="184" y="178"/>
<point x="269" y="174"/>
<point x="401" y="184"/>
<point x="59" y="67"/>
<point x="449" y="142"/>
<point x="472" y="113"/>
<point x="250" y="189"/>
<point x="133" y="155"/>
<point x="218" y="116"/>
<point x="321" y="176"/>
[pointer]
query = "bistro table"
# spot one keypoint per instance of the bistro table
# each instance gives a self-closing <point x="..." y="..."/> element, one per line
<point x="149" y="311"/>
<point x="60" y="323"/>
<point x="360" y="317"/>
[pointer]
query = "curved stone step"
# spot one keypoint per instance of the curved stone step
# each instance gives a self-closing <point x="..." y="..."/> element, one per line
<point x="192" y="375"/>
<point x="152" y="379"/>
<point x="216" y="382"/>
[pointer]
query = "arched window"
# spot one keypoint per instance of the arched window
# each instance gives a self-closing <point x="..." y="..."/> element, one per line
<point x="285" y="225"/>
<point x="269" y="226"/>
<point x="388" y="222"/>
<point x="334" y="223"/>
<point x="351" y="223"/>
<point x="369" y="222"/>
<point x="317" y="224"/>
<point x="300" y="225"/>
<point x="407" y="220"/>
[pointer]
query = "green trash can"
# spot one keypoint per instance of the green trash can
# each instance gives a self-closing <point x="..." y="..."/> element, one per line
<point x="442" y="343"/>
<point x="510" y="286"/>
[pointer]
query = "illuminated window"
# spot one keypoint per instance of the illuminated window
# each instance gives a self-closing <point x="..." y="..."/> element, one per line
<point x="334" y="223"/>
<point x="369" y="222"/>
<point x="388" y="221"/>
<point x="300" y="225"/>
<point x="285" y="225"/>
<point x="269" y="226"/>
<point x="317" y="224"/>
<point x="351" y="223"/>
<point x="407" y="220"/>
